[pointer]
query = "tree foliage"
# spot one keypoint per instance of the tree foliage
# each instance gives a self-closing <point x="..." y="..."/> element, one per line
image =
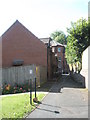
<point x="78" y="40"/>
<point x="59" y="36"/>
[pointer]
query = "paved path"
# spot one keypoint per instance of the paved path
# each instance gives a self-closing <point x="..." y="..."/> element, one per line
<point x="66" y="99"/>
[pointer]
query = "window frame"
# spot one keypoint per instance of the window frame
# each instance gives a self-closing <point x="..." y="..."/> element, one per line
<point x="59" y="58"/>
<point x="59" y="49"/>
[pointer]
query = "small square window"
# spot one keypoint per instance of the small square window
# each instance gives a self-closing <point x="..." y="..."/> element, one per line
<point x="59" y="58"/>
<point x="59" y="49"/>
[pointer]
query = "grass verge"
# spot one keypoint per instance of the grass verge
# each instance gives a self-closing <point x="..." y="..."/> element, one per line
<point x="17" y="106"/>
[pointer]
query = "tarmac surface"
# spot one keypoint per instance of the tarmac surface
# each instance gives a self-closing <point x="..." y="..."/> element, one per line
<point x="66" y="99"/>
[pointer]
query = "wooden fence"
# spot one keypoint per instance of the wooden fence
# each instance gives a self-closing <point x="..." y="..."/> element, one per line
<point x="21" y="75"/>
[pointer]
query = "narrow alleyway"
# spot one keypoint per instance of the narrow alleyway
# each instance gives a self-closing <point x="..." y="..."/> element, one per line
<point x="66" y="99"/>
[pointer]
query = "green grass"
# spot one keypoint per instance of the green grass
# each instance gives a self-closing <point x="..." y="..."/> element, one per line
<point x="17" y="106"/>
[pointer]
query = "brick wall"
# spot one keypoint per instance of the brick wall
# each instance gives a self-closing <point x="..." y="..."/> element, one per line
<point x="19" y="43"/>
<point x="64" y="65"/>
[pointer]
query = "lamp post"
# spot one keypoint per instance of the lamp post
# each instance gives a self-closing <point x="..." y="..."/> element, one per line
<point x="35" y="99"/>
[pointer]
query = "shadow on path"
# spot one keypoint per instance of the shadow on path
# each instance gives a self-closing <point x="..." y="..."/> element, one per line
<point x="55" y="87"/>
<point x="60" y="104"/>
<point x="47" y="104"/>
<point x="48" y="110"/>
<point x="65" y="81"/>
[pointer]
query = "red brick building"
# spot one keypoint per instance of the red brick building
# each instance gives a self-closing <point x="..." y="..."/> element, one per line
<point x="20" y="45"/>
<point x="56" y="58"/>
<point x="59" y="51"/>
<point x="21" y="52"/>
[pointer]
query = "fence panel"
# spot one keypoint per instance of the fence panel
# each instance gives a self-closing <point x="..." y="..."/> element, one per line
<point x="17" y="75"/>
<point x="21" y="75"/>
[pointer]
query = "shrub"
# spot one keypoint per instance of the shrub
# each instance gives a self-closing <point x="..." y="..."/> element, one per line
<point x="8" y="89"/>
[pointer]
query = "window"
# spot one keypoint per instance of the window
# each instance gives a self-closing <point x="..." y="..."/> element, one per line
<point x="59" y="64"/>
<point x="18" y="62"/>
<point x="53" y="49"/>
<point x="59" y="49"/>
<point x="59" y="58"/>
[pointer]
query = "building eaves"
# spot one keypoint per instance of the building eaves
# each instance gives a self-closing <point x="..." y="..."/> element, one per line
<point x="45" y="40"/>
<point x="15" y="23"/>
<point x="55" y="43"/>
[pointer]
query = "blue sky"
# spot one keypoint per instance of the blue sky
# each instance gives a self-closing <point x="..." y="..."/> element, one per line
<point x="42" y="17"/>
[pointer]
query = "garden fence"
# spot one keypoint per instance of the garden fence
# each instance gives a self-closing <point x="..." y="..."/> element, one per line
<point x="21" y="75"/>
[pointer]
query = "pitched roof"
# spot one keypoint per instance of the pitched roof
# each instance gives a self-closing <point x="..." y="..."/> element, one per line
<point x="45" y="40"/>
<point x="52" y="42"/>
<point x="55" y="43"/>
<point x="11" y="27"/>
<point x="18" y="23"/>
<point x="21" y="44"/>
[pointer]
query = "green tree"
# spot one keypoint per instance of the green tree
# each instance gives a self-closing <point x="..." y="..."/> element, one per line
<point x="79" y="30"/>
<point x="59" y="36"/>
<point x="71" y="53"/>
<point x="77" y="40"/>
